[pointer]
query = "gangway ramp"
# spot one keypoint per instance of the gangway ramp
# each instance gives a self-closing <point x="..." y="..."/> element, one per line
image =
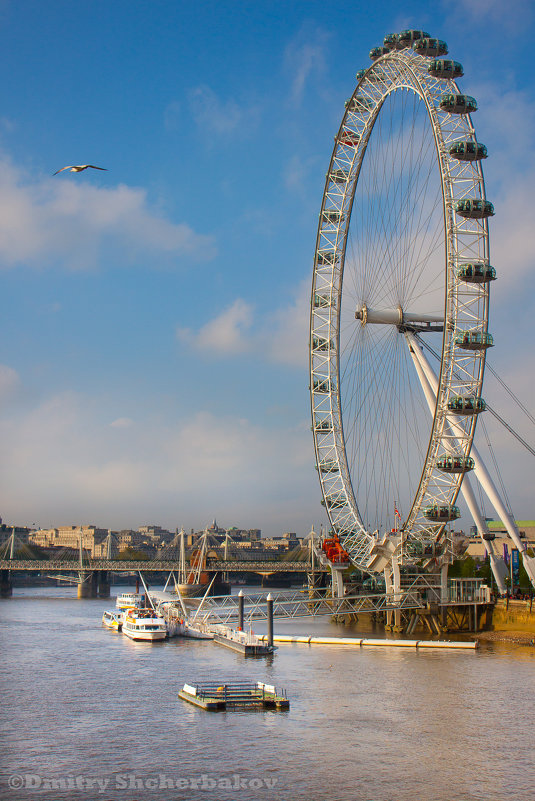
<point x="303" y="603"/>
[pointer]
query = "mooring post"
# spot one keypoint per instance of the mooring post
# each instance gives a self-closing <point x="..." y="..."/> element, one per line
<point x="269" y="601"/>
<point x="241" y="606"/>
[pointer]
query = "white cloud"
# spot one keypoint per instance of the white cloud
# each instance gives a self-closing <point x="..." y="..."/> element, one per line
<point x="45" y="220"/>
<point x="512" y="16"/>
<point x="227" y="333"/>
<point x="171" y="116"/>
<point x="304" y="57"/>
<point x="9" y="382"/>
<point x="122" y="422"/>
<point x="280" y="336"/>
<point x="216" y="117"/>
<point x="286" y="335"/>
<point x="296" y="175"/>
<point x="167" y="472"/>
<point x="7" y="125"/>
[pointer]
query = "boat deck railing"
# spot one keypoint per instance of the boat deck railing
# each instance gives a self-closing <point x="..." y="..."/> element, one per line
<point x="239" y="693"/>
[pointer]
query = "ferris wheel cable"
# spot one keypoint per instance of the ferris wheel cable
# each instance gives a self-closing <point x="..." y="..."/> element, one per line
<point x="374" y="389"/>
<point x="415" y="179"/>
<point x="422" y="226"/>
<point x="360" y="410"/>
<point x="482" y="499"/>
<point x="498" y="471"/>
<point x="422" y="260"/>
<point x="510" y="392"/>
<point x="422" y="222"/>
<point x="391" y="194"/>
<point x="366" y="420"/>
<point x="393" y="429"/>
<point x="433" y="246"/>
<point x="384" y="424"/>
<point x="489" y="408"/>
<point x="406" y="235"/>
<point x="511" y="430"/>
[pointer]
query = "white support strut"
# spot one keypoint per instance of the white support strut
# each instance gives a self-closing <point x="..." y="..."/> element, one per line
<point x="480" y="470"/>
<point x="498" y="566"/>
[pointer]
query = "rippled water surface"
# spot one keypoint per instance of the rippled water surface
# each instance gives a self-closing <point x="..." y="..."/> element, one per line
<point x="82" y="705"/>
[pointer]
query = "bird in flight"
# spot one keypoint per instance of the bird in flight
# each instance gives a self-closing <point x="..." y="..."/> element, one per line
<point x="80" y="167"/>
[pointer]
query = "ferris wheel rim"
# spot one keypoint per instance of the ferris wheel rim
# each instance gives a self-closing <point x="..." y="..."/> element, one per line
<point x="327" y="417"/>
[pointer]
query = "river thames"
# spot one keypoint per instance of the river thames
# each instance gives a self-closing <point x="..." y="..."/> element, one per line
<point x="87" y="713"/>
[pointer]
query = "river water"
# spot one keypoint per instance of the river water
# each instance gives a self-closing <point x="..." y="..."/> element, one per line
<point x="89" y="714"/>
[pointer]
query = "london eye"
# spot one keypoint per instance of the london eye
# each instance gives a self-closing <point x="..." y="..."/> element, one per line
<point x="402" y="269"/>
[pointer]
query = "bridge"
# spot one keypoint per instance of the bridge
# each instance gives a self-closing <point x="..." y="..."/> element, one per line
<point x="153" y="565"/>
<point x="93" y="574"/>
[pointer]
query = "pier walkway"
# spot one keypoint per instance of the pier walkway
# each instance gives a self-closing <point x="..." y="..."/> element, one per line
<point x="302" y="603"/>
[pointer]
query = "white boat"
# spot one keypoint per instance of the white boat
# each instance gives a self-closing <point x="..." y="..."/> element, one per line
<point x="144" y="624"/>
<point x="130" y="600"/>
<point x="113" y="620"/>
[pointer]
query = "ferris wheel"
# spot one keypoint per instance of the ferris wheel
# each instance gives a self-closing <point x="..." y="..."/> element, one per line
<point x="401" y="272"/>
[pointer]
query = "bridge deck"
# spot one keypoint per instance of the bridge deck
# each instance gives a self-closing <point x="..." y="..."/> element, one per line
<point x="123" y="566"/>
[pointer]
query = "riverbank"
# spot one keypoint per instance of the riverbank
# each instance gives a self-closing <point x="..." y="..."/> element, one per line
<point x="515" y="637"/>
<point x="511" y="616"/>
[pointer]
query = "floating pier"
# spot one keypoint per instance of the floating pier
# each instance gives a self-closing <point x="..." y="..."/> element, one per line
<point x="366" y="641"/>
<point x="215" y="698"/>
<point x="243" y="642"/>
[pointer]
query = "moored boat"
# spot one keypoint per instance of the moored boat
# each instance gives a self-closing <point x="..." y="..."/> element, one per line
<point x="113" y="620"/>
<point x="130" y="600"/>
<point x="144" y="624"/>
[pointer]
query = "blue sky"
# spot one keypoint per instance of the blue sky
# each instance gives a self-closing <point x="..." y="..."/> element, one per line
<point x="153" y="363"/>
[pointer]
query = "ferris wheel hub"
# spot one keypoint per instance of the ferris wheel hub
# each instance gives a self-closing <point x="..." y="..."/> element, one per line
<point x="396" y="316"/>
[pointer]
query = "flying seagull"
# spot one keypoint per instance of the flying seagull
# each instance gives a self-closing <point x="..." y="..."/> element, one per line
<point x="80" y="167"/>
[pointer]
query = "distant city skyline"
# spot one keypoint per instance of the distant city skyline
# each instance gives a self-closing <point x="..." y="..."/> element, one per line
<point x="153" y="362"/>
